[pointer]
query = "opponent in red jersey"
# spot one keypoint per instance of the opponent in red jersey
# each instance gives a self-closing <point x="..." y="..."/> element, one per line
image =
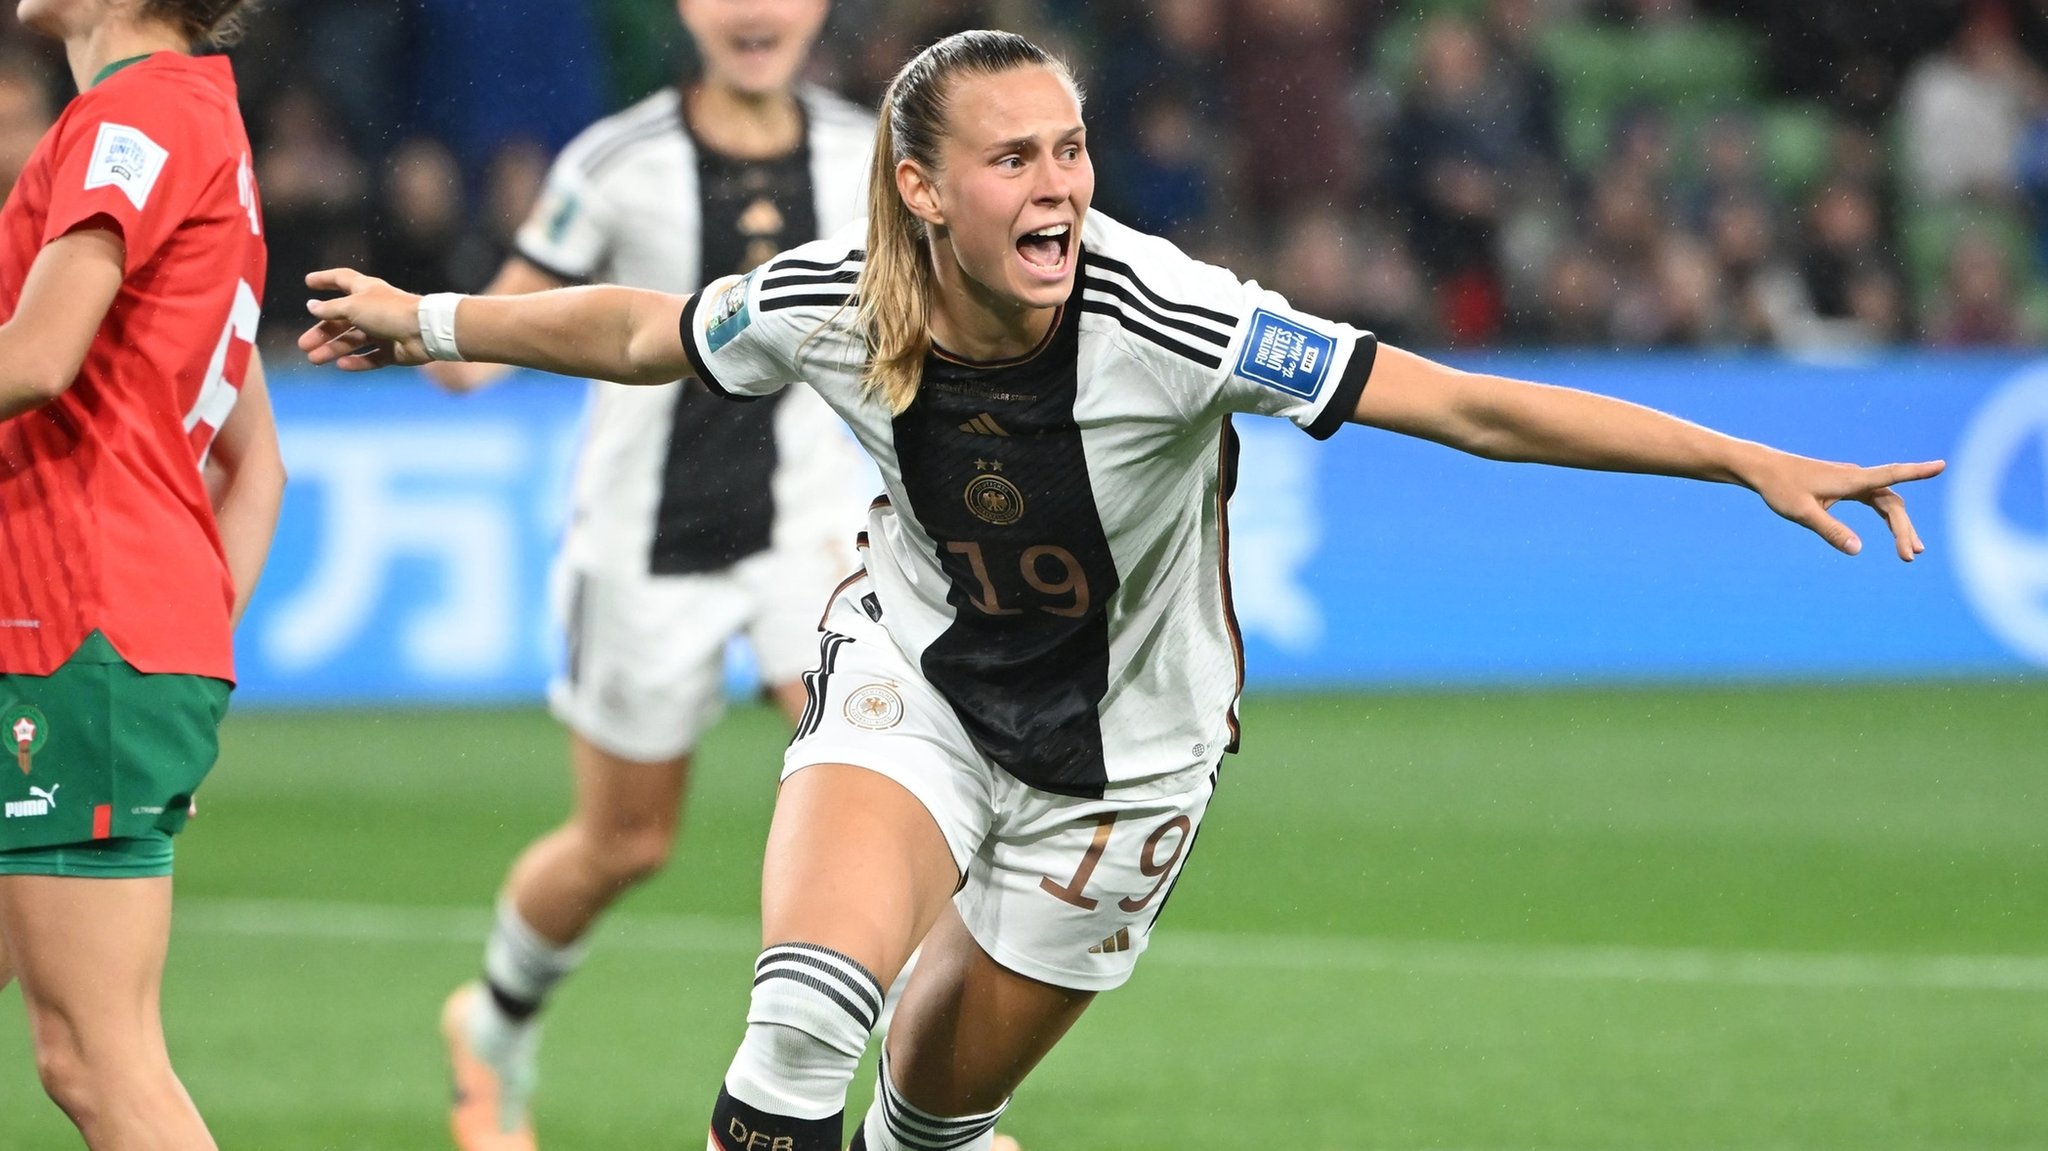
<point x="139" y="487"/>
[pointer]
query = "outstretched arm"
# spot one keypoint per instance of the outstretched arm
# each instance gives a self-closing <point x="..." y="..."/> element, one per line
<point x="606" y="333"/>
<point x="518" y="277"/>
<point x="1506" y="419"/>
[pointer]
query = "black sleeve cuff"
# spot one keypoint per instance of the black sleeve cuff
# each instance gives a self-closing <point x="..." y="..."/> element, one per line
<point x="1349" y="387"/>
<point x="688" y="330"/>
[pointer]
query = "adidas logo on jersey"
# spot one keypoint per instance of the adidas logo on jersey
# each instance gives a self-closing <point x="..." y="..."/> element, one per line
<point x="1121" y="941"/>
<point x="983" y="425"/>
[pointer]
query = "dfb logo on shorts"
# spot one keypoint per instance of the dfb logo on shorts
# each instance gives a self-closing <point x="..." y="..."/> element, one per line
<point x="1286" y="355"/>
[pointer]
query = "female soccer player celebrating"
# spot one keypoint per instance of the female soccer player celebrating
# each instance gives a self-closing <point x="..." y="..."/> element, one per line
<point x="695" y="519"/>
<point x="1023" y="699"/>
<point x="139" y="486"/>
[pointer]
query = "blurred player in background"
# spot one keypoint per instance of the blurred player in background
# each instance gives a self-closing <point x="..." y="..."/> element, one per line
<point x="1026" y="696"/>
<point x="694" y="519"/>
<point x="139" y="488"/>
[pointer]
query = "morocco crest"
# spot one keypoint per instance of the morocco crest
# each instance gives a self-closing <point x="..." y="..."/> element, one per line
<point x="27" y="728"/>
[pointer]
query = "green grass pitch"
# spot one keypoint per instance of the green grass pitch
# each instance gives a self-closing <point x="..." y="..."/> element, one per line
<point x="1740" y="918"/>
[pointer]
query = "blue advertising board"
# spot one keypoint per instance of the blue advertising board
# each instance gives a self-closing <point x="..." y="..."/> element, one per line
<point x="412" y="561"/>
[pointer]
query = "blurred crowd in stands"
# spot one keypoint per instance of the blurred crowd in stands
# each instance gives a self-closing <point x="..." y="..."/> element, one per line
<point x="1812" y="175"/>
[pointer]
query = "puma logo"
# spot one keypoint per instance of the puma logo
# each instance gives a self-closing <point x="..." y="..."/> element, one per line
<point x="42" y="804"/>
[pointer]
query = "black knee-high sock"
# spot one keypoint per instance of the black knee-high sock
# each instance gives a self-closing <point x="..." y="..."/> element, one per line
<point x="735" y="1126"/>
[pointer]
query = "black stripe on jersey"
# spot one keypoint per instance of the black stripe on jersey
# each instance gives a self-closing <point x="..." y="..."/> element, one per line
<point x="822" y="300"/>
<point x="717" y="504"/>
<point x="785" y="264"/>
<point x="1015" y="527"/>
<point x="1207" y="335"/>
<point x="1350" y="386"/>
<point x="1131" y="325"/>
<point x="1125" y="270"/>
<point x="613" y="150"/>
<point x="773" y="281"/>
<point x="688" y="326"/>
<point x="568" y="279"/>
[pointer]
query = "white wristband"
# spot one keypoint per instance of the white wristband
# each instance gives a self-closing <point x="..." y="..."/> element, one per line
<point x="437" y="325"/>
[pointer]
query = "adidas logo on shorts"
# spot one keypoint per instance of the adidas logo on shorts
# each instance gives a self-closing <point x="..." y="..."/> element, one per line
<point x="1121" y="941"/>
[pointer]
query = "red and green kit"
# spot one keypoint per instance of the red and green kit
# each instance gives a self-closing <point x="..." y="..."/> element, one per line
<point x="115" y="594"/>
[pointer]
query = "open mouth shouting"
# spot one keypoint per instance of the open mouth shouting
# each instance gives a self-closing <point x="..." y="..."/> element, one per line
<point x="755" y="47"/>
<point x="1045" y="251"/>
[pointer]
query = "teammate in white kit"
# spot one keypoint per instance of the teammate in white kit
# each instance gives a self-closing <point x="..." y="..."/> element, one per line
<point x="694" y="520"/>
<point x="1023" y="699"/>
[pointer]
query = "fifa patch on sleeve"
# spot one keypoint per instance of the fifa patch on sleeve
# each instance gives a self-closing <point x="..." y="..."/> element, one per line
<point x="1286" y="355"/>
<point x="124" y="158"/>
<point x="729" y="313"/>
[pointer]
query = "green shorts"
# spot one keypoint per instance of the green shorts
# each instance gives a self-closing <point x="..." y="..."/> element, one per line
<point x="133" y="858"/>
<point x="104" y="763"/>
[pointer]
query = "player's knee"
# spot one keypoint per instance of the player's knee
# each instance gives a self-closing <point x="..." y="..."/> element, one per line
<point x="66" y="1077"/>
<point x="807" y="1024"/>
<point x="631" y="854"/>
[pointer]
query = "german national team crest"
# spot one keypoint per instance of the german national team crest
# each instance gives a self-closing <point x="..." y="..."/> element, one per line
<point x="992" y="498"/>
<point x="874" y="706"/>
<point x="27" y="730"/>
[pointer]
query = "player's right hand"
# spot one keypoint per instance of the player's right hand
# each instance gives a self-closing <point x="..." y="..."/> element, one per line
<point x="371" y="325"/>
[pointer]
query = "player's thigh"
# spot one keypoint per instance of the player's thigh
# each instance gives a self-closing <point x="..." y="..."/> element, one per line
<point x="617" y="796"/>
<point x="643" y="674"/>
<point x="883" y="802"/>
<point x="969" y="1029"/>
<point x="89" y="954"/>
<point x="854" y="863"/>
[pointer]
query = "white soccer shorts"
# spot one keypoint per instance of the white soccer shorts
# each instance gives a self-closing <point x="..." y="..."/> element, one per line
<point x="1060" y="889"/>
<point x="643" y="676"/>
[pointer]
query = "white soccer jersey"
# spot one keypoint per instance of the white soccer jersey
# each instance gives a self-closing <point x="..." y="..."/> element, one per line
<point x="1052" y="550"/>
<point x="670" y="482"/>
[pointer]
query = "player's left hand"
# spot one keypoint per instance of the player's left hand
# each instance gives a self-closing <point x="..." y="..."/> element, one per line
<point x="371" y="325"/>
<point x="1802" y="490"/>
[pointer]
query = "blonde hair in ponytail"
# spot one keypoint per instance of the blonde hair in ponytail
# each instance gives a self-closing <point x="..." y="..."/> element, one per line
<point x="896" y="282"/>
